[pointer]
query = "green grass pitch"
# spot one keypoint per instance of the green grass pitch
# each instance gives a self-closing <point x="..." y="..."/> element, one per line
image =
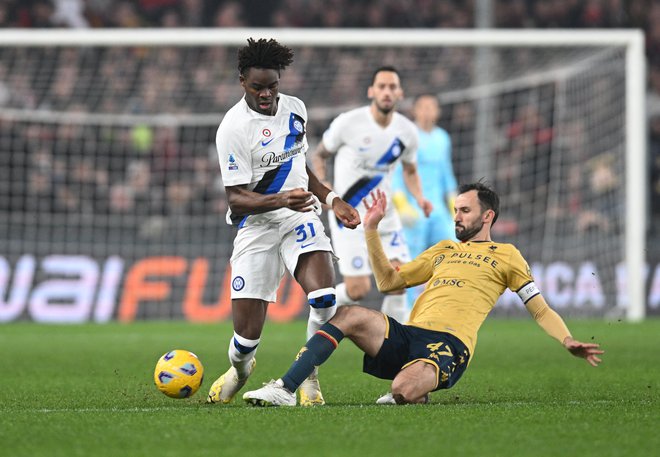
<point x="87" y="390"/>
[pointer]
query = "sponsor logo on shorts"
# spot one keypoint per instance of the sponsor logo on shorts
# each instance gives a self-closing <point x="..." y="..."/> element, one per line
<point x="358" y="262"/>
<point x="238" y="283"/>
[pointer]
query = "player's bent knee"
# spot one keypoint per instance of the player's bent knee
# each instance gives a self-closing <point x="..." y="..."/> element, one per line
<point x="344" y="313"/>
<point x="352" y="318"/>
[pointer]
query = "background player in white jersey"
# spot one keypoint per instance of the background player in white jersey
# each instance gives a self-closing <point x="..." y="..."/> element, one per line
<point x="436" y="172"/>
<point x="272" y="198"/>
<point x="368" y="142"/>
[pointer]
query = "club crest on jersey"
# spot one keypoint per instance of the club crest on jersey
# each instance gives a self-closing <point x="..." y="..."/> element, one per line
<point x="297" y="126"/>
<point x="232" y="163"/>
<point x="438" y="260"/>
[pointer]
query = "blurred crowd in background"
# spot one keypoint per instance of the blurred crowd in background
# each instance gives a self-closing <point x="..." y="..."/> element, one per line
<point x="326" y="13"/>
<point x="158" y="174"/>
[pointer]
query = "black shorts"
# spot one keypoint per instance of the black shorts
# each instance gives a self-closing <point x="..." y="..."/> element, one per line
<point x="405" y="344"/>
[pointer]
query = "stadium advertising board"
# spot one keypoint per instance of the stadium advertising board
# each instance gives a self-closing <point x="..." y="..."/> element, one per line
<point x="80" y="288"/>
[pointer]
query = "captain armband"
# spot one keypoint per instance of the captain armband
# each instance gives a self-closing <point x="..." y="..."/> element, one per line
<point x="528" y="291"/>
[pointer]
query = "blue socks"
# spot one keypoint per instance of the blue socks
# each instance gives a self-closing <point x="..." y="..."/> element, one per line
<point x="314" y="353"/>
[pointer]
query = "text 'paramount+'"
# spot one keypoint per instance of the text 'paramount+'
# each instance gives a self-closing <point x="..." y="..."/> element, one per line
<point x="270" y="157"/>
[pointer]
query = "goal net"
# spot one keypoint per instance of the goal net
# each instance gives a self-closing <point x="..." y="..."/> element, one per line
<point x="112" y="206"/>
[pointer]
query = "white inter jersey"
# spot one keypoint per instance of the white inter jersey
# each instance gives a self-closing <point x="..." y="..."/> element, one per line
<point x="266" y="153"/>
<point x="366" y="155"/>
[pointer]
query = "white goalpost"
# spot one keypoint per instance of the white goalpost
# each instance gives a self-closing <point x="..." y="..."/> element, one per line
<point x="117" y="128"/>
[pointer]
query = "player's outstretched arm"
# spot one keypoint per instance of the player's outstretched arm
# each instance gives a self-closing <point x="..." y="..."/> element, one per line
<point x="343" y="211"/>
<point x="244" y="202"/>
<point x="555" y="326"/>
<point x="387" y="278"/>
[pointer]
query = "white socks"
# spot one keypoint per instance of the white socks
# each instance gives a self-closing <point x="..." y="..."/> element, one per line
<point x="321" y="309"/>
<point x="395" y="306"/>
<point x="342" y="296"/>
<point x="241" y="352"/>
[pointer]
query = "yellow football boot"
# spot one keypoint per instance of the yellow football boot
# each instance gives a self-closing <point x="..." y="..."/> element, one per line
<point x="227" y="386"/>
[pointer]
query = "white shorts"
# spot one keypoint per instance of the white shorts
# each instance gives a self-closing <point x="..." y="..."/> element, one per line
<point x="351" y="248"/>
<point x="261" y="252"/>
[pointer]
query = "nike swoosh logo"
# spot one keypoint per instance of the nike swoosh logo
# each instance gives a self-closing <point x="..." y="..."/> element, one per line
<point x="303" y="246"/>
<point x="266" y="143"/>
<point x="363" y="149"/>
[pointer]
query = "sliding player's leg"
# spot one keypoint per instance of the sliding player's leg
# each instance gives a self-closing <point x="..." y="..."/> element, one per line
<point x="365" y="327"/>
<point x="436" y="360"/>
<point x="307" y="253"/>
<point x="413" y="383"/>
<point x="315" y="273"/>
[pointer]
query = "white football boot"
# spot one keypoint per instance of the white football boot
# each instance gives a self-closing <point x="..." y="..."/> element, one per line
<point x="272" y="393"/>
<point x="227" y="386"/>
<point x="387" y="399"/>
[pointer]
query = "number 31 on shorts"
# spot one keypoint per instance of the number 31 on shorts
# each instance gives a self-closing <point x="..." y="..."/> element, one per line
<point x="303" y="230"/>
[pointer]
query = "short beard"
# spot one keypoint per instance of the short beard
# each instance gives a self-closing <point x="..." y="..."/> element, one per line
<point x="467" y="234"/>
<point x="385" y="111"/>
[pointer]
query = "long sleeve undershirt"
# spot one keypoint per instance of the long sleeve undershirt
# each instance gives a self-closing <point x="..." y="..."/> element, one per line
<point x="387" y="278"/>
<point x="547" y="318"/>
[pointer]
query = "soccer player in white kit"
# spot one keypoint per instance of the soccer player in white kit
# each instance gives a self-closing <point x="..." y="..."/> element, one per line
<point x="272" y="197"/>
<point x="368" y="142"/>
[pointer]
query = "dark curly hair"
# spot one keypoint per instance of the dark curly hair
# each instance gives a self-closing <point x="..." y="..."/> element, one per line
<point x="263" y="53"/>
